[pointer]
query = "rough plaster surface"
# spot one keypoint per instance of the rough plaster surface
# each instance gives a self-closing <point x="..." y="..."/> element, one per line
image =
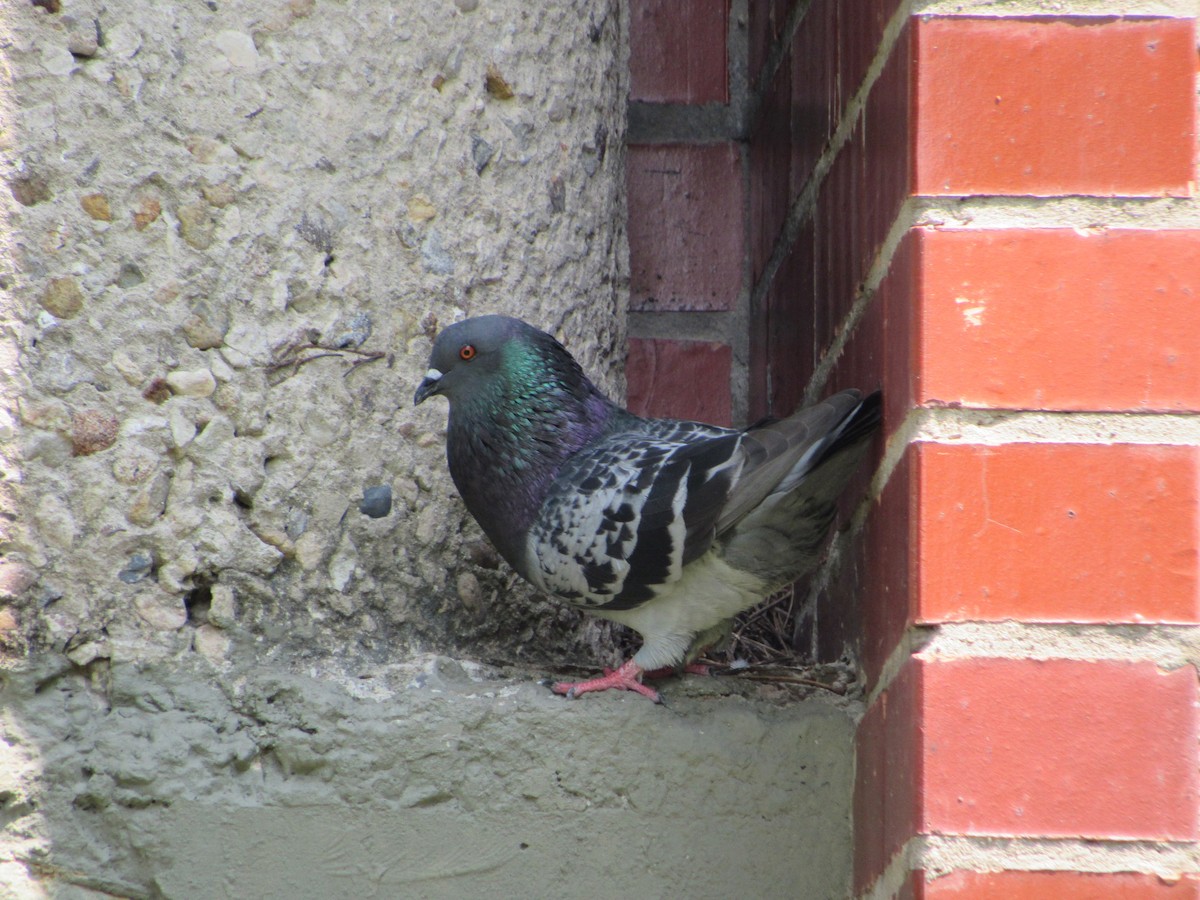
<point x="228" y="231"/>
<point x="210" y="193"/>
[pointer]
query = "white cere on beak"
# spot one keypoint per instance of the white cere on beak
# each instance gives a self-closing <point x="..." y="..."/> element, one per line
<point x="433" y="375"/>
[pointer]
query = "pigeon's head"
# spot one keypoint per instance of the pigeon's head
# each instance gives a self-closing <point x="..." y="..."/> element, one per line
<point x="471" y="353"/>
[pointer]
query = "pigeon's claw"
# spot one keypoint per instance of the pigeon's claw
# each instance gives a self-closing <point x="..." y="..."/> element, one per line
<point x="626" y="678"/>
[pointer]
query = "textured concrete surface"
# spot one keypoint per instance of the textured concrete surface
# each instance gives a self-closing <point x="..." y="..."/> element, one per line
<point x="212" y="214"/>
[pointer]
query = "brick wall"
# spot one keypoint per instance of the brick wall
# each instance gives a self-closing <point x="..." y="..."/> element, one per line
<point x="992" y="217"/>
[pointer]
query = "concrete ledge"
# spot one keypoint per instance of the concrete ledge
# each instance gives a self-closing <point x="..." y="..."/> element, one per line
<point x="434" y="779"/>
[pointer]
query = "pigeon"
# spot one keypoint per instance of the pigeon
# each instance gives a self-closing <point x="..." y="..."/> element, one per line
<point x="670" y="527"/>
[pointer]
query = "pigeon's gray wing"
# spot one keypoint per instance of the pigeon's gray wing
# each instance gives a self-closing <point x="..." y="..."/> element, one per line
<point x="780" y="454"/>
<point x="626" y="515"/>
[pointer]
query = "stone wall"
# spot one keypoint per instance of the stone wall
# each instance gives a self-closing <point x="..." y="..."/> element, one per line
<point x="231" y="231"/>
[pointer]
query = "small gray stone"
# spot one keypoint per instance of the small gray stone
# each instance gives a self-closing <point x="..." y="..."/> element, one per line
<point x="376" y="501"/>
<point x="63" y="297"/>
<point x="192" y="382"/>
<point x="150" y="501"/>
<point x="238" y="47"/>
<point x="83" y="37"/>
<point x="48" y="594"/>
<point x="352" y="332"/>
<point x="470" y="592"/>
<point x="436" y="260"/>
<point x="139" y="566"/>
<point x="481" y="152"/>
<point x="196" y="224"/>
<point x="409" y="235"/>
<point x="130" y="276"/>
<point x="203" y="329"/>
<point x="558" y="194"/>
<point x="295" y="523"/>
<point x="222" y="612"/>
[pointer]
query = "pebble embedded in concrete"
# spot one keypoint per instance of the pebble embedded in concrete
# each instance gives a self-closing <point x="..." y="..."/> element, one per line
<point x="376" y="501"/>
<point x="192" y="382"/>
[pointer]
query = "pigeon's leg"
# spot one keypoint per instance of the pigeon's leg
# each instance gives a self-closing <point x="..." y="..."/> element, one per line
<point x="668" y="671"/>
<point x="626" y="678"/>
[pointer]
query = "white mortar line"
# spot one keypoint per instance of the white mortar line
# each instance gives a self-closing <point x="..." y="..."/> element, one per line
<point x="1104" y="8"/>
<point x="941" y="854"/>
<point x="1087" y="213"/>
<point x="896" y="872"/>
<point x="911" y="642"/>
<point x="866" y="294"/>
<point x="1166" y="646"/>
<point x="994" y="427"/>
<point x="1168" y="860"/>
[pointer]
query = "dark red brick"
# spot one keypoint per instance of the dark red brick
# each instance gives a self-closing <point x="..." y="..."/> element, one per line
<point x="677" y="51"/>
<point x="685" y="233"/>
<point x="815" y="106"/>
<point x="889" y="765"/>
<point x="770" y="156"/>
<point x="680" y="379"/>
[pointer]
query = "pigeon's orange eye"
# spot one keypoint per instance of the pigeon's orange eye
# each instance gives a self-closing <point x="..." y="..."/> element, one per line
<point x="467" y="352"/>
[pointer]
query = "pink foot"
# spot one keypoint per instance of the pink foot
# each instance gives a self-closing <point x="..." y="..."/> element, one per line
<point x="626" y="678"/>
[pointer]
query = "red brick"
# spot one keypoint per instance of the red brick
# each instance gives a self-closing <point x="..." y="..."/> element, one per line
<point x="789" y="335"/>
<point x="860" y="199"/>
<point x="1059" y="748"/>
<point x="685" y="235"/>
<point x="861" y="24"/>
<point x="866" y="608"/>
<point x="887" y="118"/>
<point x="816" y="102"/>
<point x="1055" y="885"/>
<point x="840" y="258"/>
<point x="677" y="51"/>
<point x="770" y="156"/>
<point x="766" y="21"/>
<point x="889" y="775"/>
<point x="1058" y="533"/>
<point x="680" y="379"/>
<point x="1055" y="106"/>
<point x="1060" y="319"/>
<point x="890" y="545"/>
<point x="880" y="350"/>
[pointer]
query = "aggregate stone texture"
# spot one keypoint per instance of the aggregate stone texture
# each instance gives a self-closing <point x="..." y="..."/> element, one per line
<point x="230" y="231"/>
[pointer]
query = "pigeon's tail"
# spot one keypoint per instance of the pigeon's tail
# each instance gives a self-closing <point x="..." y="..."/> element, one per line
<point x="856" y="428"/>
<point x="823" y="472"/>
<point x="781" y="538"/>
<point x="845" y="441"/>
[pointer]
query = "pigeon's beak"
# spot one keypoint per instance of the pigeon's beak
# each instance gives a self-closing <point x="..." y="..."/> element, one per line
<point x="427" y="387"/>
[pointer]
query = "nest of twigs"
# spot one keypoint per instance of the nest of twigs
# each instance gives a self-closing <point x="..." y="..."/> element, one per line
<point x="765" y="635"/>
<point x="763" y="648"/>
